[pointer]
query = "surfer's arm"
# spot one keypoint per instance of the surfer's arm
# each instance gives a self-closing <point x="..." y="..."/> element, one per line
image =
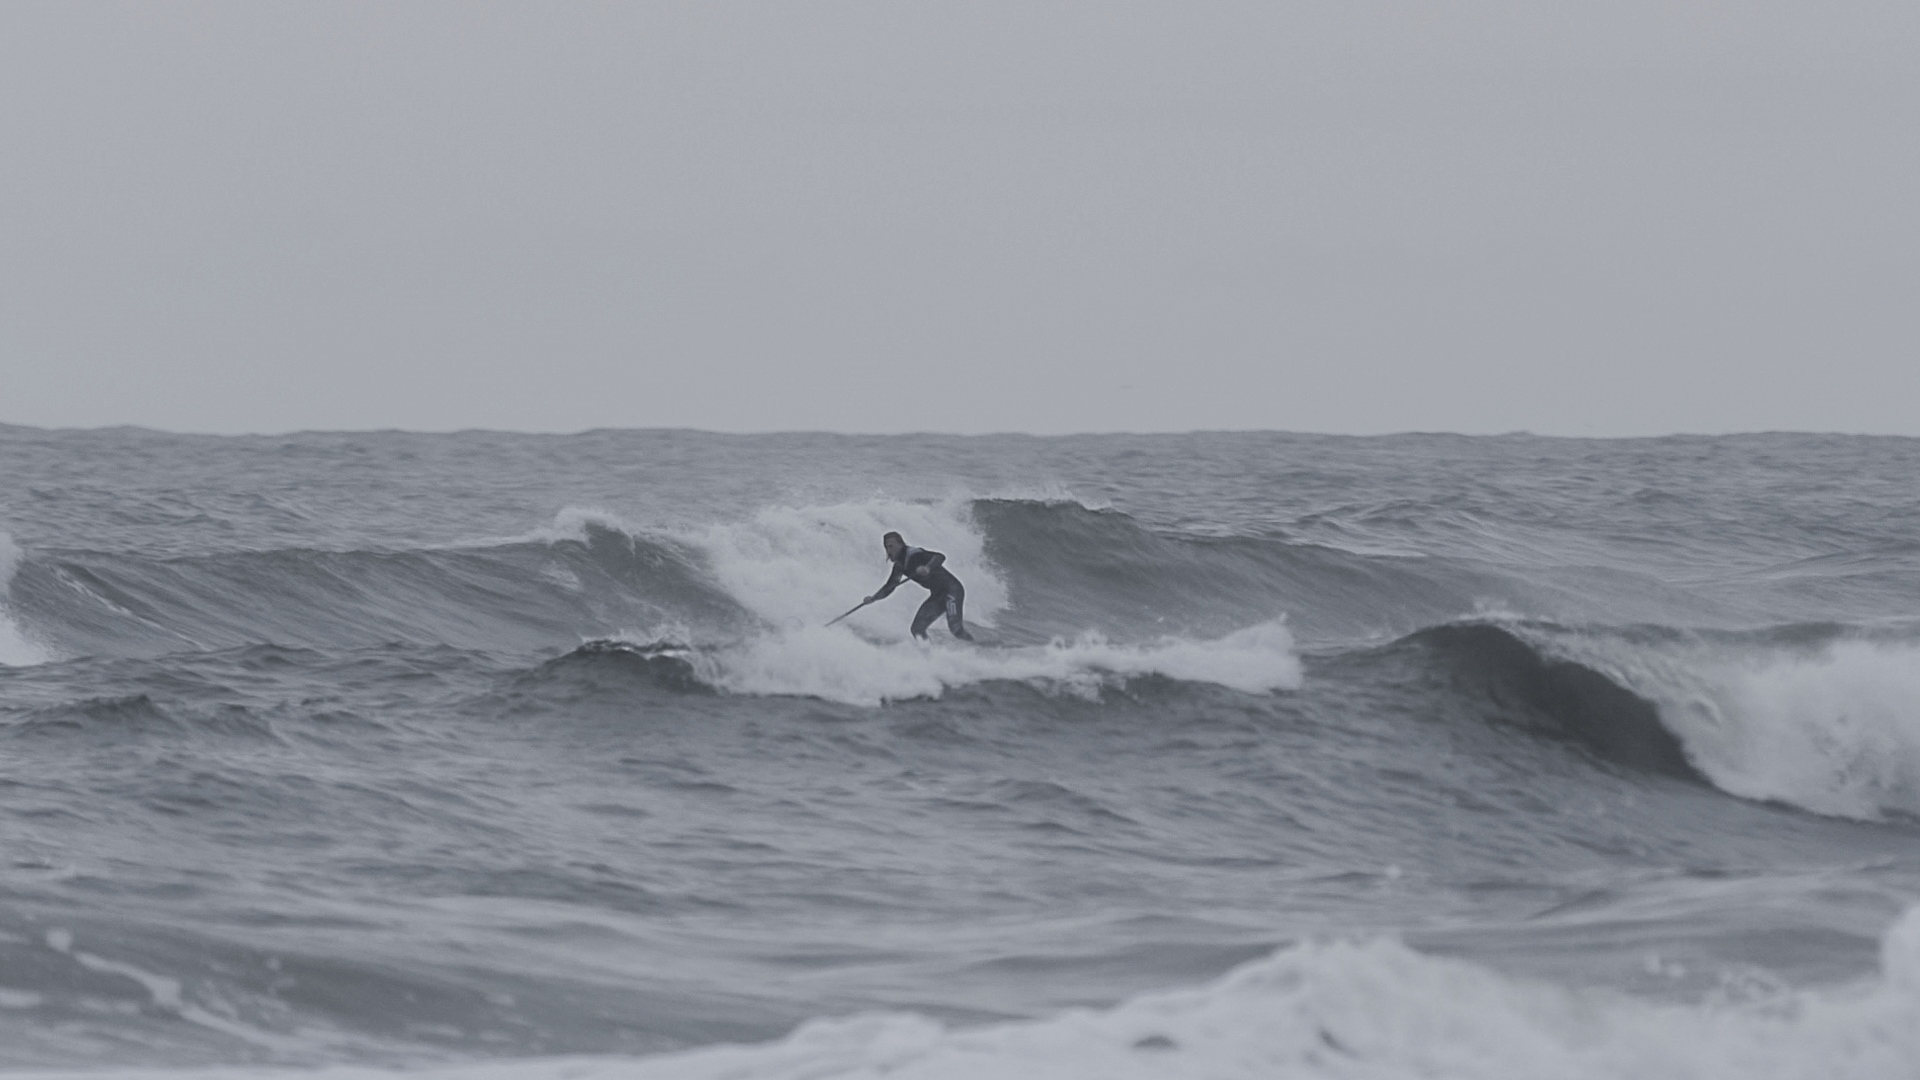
<point x="894" y="579"/>
<point x="929" y="565"/>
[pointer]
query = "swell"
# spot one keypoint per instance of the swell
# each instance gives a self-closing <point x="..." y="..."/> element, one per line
<point x="1071" y="567"/>
<point x="1034" y="571"/>
<point x="516" y="595"/>
<point x="1817" y="715"/>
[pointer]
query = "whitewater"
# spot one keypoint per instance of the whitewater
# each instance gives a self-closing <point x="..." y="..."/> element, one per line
<point x="485" y="755"/>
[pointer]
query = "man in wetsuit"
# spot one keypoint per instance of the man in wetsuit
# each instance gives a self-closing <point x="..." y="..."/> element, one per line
<point x="925" y="568"/>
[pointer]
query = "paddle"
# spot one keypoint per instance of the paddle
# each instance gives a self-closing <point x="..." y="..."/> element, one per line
<point x="853" y="609"/>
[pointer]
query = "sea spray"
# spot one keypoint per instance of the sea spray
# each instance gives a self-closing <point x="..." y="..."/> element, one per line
<point x="797" y="567"/>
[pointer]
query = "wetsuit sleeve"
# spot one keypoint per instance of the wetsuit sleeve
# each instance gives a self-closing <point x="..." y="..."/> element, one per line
<point x="931" y="564"/>
<point x="894" y="578"/>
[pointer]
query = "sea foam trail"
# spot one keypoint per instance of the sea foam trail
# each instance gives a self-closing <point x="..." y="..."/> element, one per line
<point x="16" y="650"/>
<point x="1369" y="1010"/>
<point x="1832" y="727"/>
<point x="835" y="664"/>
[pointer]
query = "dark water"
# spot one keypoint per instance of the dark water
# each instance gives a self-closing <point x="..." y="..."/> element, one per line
<point x="394" y="749"/>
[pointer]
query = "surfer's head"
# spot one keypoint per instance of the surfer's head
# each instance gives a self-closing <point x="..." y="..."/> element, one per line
<point x="893" y="544"/>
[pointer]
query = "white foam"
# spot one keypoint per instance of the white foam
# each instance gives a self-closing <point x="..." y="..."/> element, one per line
<point x="798" y="567"/>
<point x="1367" y="1010"/>
<point x="1833" y="729"/>
<point x="16" y="649"/>
<point x="839" y="665"/>
<point x="1836" y="732"/>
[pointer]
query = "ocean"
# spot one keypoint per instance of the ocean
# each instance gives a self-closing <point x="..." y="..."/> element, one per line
<point x="523" y="756"/>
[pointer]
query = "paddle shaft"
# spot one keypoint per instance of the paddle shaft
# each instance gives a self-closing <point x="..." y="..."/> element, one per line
<point x="853" y="609"/>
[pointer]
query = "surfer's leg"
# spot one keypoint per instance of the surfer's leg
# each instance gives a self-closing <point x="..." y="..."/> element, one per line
<point x="956" y="617"/>
<point x="929" y="611"/>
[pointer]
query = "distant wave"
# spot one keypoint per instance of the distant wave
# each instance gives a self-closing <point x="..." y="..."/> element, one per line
<point x="513" y="595"/>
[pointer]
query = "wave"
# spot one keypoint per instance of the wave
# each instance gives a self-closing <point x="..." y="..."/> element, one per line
<point x="1365" y="1008"/>
<point x="1501" y="670"/>
<point x="1823" y="717"/>
<point x="1814" y="715"/>
<point x="1036" y="570"/>
<point x="1073" y="567"/>
<point x="514" y="595"/>
<point x="1818" y="716"/>
<point x="16" y="650"/>
<point x="838" y="665"/>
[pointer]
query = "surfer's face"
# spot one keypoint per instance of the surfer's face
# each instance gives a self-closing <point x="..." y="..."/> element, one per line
<point x="894" y="547"/>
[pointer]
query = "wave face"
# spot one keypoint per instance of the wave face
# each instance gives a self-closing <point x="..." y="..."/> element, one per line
<point x="487" y="752"/>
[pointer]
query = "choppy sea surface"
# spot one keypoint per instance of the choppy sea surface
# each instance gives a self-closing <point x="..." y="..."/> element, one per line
<point x="1280" y="755"/>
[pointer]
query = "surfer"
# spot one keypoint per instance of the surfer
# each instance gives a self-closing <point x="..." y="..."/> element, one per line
<point x="927" y="568"/>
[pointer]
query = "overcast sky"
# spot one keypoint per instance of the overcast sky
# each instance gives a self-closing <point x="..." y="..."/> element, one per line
<point x="1614" y="218"/>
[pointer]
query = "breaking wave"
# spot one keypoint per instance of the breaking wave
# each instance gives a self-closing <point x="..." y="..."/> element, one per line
<point x="1368" y="1008"/>
<point x="1821" y="717"/>
<point x="15" y="649"/>
<point x="1362" y="1009"/>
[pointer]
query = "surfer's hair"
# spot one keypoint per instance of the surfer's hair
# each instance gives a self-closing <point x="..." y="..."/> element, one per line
<point x="893" y="536"/>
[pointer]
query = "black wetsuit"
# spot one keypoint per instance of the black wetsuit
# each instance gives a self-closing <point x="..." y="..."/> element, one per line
<point x="947" y="594"/>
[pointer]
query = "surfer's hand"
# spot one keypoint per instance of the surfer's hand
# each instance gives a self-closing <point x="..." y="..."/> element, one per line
<point x="920" y="571"/>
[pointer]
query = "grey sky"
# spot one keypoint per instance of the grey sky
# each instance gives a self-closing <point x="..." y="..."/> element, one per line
<point x="1578" y="218"/>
